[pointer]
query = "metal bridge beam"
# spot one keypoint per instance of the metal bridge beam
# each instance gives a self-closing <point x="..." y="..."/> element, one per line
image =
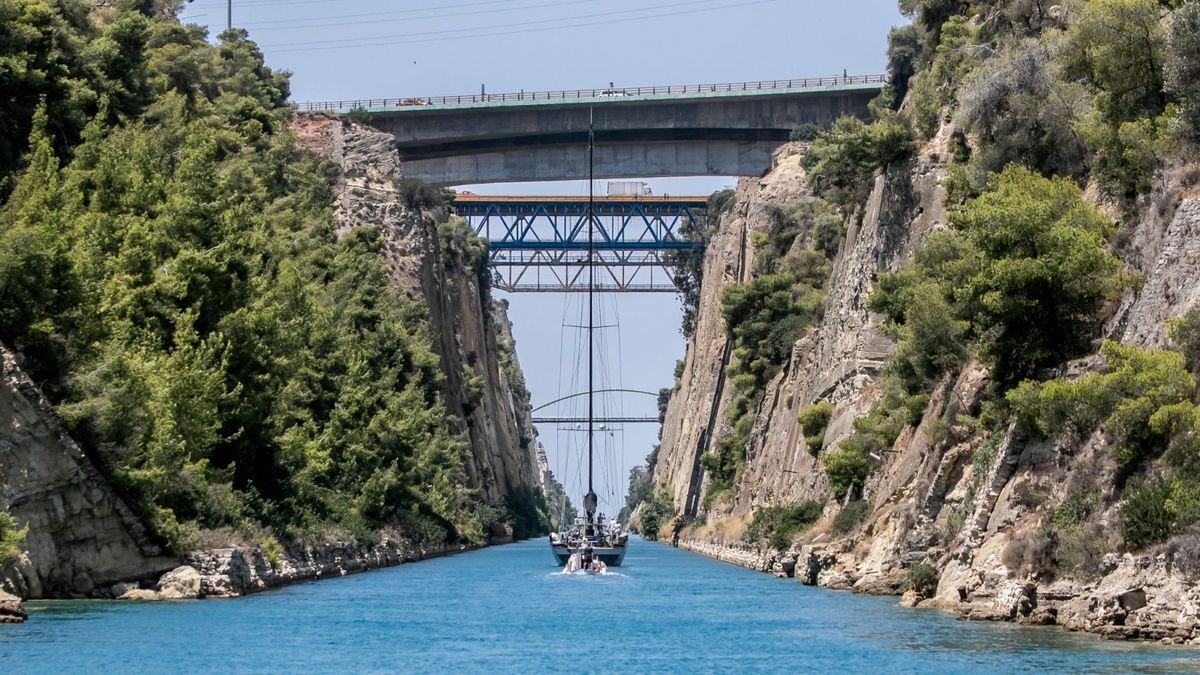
<point x="539" y="244"/>
<point x="598" y="420"/>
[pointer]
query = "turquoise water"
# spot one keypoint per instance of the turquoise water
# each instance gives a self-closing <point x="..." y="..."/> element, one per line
<point x="506" y="610"/>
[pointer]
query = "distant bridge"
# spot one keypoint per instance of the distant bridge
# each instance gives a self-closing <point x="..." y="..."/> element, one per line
<point x="597" y="421"/>
<point x="727" y="129"/>
<point x="540" y="243"/>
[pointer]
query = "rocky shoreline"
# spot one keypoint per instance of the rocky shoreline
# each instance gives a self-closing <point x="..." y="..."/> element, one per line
<point x="1138" y="598"/>
<point x="243" y="570"/>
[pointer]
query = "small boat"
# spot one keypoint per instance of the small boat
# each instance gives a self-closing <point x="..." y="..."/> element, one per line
<point x="584" y="561"/>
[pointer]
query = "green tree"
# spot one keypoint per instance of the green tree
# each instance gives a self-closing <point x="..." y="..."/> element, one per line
<point x="1182" y="68"/>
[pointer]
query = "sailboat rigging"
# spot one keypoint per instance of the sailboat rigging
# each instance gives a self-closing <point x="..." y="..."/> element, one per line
<point x="592" y="543"/>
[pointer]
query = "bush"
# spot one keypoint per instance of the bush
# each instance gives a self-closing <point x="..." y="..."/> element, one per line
<point x="1131" y="397"/>
<point x="850" y="516"/>
<point x="813" y="419"/>
<point x="421" y="196"/>
<point x="1079" y="550"/>
<point x="1025" y="268"/>
<point x="655" y="513"/>
<point x="10" y="538"/>
<point x="1182" y="69"/>
<point x="1029" y="553"/>
<point x="528" y="513"/>
<point x="779" y="524"/>
<point x="1075" y="509"/>
<point x="359" y="116"/>
<point x="921" y="578"/>
<point x="842" y="159"/>
<point x="272" y="550"/>
<point x="804" y="132"/>
<point x="1021" y="112"/>
<point x="847" y="470"/>
<point x="1185" y="333"/>
<point x="1145" y="516"/>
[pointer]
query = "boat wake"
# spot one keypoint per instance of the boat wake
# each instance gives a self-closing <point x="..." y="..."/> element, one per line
<point x="585" y="573"/>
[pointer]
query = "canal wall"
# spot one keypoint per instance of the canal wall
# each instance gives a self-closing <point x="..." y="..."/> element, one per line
<point x="970" y="505"/>
<point x="482" y="383"/>
<point x="82" y="540"/>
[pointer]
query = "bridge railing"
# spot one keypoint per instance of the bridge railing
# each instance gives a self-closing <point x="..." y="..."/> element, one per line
<point x="605" y="92"/>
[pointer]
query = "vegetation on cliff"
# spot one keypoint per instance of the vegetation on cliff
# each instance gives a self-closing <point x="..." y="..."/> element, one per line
<point x="1058" y="127"/>
<point x="170" y="271"/>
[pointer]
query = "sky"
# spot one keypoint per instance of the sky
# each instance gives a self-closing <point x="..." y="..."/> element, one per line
<point x="337" y="49"/>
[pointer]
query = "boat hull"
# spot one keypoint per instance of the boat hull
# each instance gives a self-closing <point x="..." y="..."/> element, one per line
<point x="612" y="556"/>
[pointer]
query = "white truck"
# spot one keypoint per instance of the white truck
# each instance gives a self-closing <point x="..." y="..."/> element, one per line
<point x="628" y="187"/>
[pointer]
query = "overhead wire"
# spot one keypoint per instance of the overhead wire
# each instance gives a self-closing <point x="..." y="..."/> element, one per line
<point x="518" y="27"/>
<point x="329" y="21"/>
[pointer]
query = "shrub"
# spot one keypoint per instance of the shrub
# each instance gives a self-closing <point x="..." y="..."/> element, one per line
<point x="1079" y="550"/>
<point x="1185" y="333"/>
<point x="1182" y="69"/>
<point x="359" y="116"/>
<point x="1075" y="509"/>
<point x="842" y="158"/>
<point x="1145" y="516"/>
<point x="272" y="550"/>
<point x="1131" y="397"/>
<point x="1021" y="112"/>
<point x="922" y="578"/>
<point x="1029" y="553"/>
<point x="779" y="524"/>
<point x="421" y="196"/>
<point x="804" y="132"/>
<point x="847" y="470"/>
<point x="813" y="419"/>
<point x="850" y="516"/>
<point x="655" y="514"/>
<point x="528" y="513"/>
<point x="985" y="455"/>
<point x="10" y="538"/>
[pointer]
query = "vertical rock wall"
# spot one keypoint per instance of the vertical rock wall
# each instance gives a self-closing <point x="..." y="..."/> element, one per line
<point x="81" y="536"/>
<point x="968" y="504"/>
<point x="463" y="322"/>
<point x="836" y="361"/>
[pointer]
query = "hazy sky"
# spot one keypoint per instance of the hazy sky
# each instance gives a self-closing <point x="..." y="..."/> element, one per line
<point x="401" y="48"/>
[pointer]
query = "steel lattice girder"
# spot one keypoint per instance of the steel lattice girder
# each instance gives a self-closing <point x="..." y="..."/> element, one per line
<point x="567" y="271"/>
<point x="653" y="222"/>
<point x="540" y="245"/>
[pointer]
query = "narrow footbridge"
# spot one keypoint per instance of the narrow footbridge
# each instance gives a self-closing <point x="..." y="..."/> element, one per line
<point x="541" y="243"/>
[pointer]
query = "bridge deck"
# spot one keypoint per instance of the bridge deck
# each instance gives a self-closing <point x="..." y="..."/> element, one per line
<point x="688" y="200"/>
<point x="600" y="95"/>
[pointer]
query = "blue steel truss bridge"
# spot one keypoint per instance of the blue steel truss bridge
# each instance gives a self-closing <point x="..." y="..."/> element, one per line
<point x="540" y="243"/>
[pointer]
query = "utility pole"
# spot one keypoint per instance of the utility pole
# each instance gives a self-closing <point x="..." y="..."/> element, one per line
<point x="228" y="14"/>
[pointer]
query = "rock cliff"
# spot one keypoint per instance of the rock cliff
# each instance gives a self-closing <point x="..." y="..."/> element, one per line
<point x="467" y="328"/>
<point x="944" y="495"/>
<point x="81" y="534"/>
<point x="84" y="541"/>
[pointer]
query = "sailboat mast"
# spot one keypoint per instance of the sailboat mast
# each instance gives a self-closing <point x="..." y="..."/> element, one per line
<point x="591" y="285"/>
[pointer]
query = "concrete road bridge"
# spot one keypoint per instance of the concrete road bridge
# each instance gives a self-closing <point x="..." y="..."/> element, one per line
<point x="728" y="129"/>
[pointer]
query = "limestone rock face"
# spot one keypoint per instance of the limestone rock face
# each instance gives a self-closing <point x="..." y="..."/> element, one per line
<point x="1172" y="285"/>
<point x="465" y="324"/>
<point x="10" y="608"/>
<point x="181" y="583"/>
<point x="236" y="571"/>
<point x="81" y="534"/>
<point x="972" y="505"/>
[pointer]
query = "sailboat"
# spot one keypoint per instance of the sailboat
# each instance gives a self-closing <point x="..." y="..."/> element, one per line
<point x="590" y="539"/>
